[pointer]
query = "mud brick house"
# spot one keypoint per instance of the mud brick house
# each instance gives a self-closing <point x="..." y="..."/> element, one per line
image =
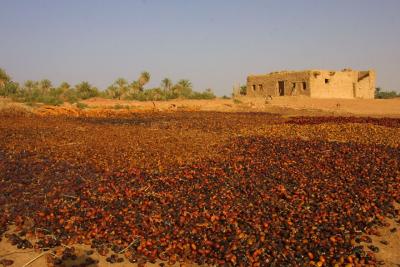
<point x="347" y="83"/>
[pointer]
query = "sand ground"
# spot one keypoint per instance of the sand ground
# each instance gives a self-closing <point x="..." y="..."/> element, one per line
<point x="39" y="258"/>
<point x="290" y="106"/>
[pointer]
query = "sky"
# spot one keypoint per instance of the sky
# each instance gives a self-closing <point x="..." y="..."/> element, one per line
<point x="213" y="43"/>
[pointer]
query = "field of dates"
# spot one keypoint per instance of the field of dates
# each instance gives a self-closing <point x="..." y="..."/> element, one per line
<point x="231" y="189"/>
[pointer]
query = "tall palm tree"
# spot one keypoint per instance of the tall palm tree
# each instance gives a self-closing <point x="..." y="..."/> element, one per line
<point x="29" y="85"/>
<point x="63" y="89"/>
<point x="121" y="83"/>
<point x="65" y="86"/>
<point x="166" y="84"/>
<point x="45" y="85"/>
<point x="144" y="78"/>
<point x="183" y="88"/>
<point x="113" y="91"/>
<point x="83" y="87"/>
<point x="85" y="90"/>
<point x="4" y="78"/>
<point x="185" y="84"/>
<point x="134" y="87"/>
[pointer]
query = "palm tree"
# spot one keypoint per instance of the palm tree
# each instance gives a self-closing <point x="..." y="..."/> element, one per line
<point x="185" y="84"/>
<point x="29" y="85"/>
<point x="144" y="78"/>
<point x="63" y="89"/>
<point x="166" y="84"/>
<point x="64" y="86"/>
<point x="45" y="86"/>
<point x="9" y="88"/>
<point x="85" y="90"/>
<point x="121" y="83"/>
<point x="113" y="91"/>
<point x="134" y="87"/>
<point x="183" y="88"/>
<point x="4" y="78"/>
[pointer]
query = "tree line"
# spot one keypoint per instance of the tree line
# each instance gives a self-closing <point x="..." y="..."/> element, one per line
<point x="43" y="91"/>
<point x="380" y="94"/>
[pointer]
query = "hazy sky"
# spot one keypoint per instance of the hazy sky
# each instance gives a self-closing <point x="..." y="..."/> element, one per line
<point x="213" y="43"/>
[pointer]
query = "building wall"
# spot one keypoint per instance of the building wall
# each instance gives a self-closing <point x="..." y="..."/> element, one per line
<point x="314" y="83"/>
<point x="294" y="84"/>
<point x="332" y="84"/>
<point x="366" y="86"/>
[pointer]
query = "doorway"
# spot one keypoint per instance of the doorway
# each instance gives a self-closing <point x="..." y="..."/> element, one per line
<point x="281" y="88"/>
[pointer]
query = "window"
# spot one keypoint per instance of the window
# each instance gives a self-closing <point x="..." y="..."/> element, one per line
<point x="326" y="81"/>
<point x="293" y="85"/>
<point x="260" y="87"/>
<point x="281" y="88"/>
<point x="254" y="87"/>
<point x="304" y="86"/>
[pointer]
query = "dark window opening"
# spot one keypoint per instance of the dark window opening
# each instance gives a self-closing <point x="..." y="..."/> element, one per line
<point x="254" y="87"/>
<point x="304" y="85"/>
<point x="281" y="87"/>
<point x="326" y="81"/>
<point x="260" y="87"/>
<point x="294" y="85"/>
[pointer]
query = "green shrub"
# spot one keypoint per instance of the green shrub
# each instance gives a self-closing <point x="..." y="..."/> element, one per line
<point x="31" y="104"/>
<point x="387" y="95"/>
<point x="9" y="89"/>
<point x="202" y="95"/>
<point x="379" y="94"/>
<point x="32" y="99"/>
<point x="85" y="90"/>
<point x="237" y="101"/>
<point x="81" y="105"/>
<point x="243" y="90"/>
<point x="119" y="106"/>
<point x="49" y="100"/>
<point x="155" y="94"/>
<point x="70" y="96"/>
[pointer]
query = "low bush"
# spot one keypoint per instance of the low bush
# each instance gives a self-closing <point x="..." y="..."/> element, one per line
<point x="379" y="94"/>
<point x="81" y="105"/>
<point x="237" y="101"/>
<point x="202" y="95"/>
<point x="119" y="106"/>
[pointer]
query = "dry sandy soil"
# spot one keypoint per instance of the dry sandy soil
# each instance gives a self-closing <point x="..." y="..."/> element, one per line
<point x="282" y="105"/>
<point x="289" y="106"/>
<point x="360" y="107"/>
